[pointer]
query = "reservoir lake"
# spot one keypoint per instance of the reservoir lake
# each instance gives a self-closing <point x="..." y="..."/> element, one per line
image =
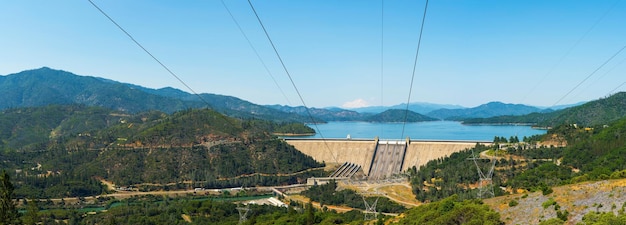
<point x="436" y="130"/>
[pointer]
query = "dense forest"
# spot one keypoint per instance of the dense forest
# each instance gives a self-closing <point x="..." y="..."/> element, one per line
<point x="59" y="151"/>
<point x="327" y="194"/>
<point x="451" y="211"/>
<point x="592" y="153"/>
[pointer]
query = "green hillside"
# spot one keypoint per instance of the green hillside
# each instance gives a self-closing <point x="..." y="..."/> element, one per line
<point x="490" y="109"/>
<point x="592" y="153"/>
<point x="598" y="112"/>
<point x="50" y="147"/>
<point x="398" y="115"/>
<point x="46" y="86"/>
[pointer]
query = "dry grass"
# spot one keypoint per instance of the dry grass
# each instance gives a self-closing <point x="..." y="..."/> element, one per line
<point x="400" y="194"/>
<point x="577" y="199"/>
<point x="186" y="218"/>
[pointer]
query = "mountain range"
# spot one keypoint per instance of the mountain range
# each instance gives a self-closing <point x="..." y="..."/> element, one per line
<point x="45" y="86"/>
<point x="593" y="113"/>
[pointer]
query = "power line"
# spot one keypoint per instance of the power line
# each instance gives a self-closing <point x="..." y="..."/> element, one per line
<point x="613" y="91"/>
<point x="586" y="78"/>
<point x="602" y="76"/>
<point x="255" y="51"/>
<point x="382" y="61"/>
<point x="419" y="42"/>
<point x="291" y="79"/>
<point x="147" y="52"/>
<point x="157" y="60"/>
<point x="567" y="53"/>
<point x="571" y="48"/>
<point x="590" y="75"/>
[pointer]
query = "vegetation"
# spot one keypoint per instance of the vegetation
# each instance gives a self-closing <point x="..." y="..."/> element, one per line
<point x="596" y="152"/>
<point x="59" y="151"/>
<point x="455" y="174"/>
<point x="490" y="109"/>
<point x="451" y="211"/>
<point x="327" y="194"/>
<point x="8" y="211"/>
<point x="64" y="151"/>
<point x="605" y="218"/>
<point x="192" y="210"/>
<point x="294" y="129"/>
<point x="594" y="113"/>
<point x="398" y="115"/>
<point x="45" y="86"/>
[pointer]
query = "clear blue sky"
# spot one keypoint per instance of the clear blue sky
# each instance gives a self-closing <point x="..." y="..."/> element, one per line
<point x="529" y="52"/>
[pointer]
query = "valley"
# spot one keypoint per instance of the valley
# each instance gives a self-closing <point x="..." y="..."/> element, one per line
<point x="99" y="164"/>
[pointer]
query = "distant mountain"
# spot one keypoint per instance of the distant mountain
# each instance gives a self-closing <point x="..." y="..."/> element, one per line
<point x="327" y="114"/>
<point x="45" y="86"/>
<point x="362" y="114"/>
<point x="490" y="109"/>
<point x="419" y="107"/>
<point x="598" y="112"/>
<point x="559" y="107"/>
<point x="398" y="115"/>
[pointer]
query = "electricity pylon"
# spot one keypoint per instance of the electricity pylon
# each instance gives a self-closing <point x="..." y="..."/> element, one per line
<point x="370" y="209"/>
<point x="243" y="213"/>
<point x="485" y="181"/>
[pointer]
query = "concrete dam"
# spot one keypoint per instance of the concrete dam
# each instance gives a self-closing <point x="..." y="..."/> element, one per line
<point x="379" y="158"/>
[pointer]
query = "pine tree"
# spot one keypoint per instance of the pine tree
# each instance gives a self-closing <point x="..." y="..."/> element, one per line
<point x="310" y="214"/>
<point x="32" y="214"/>
<point x="8" y="212"/>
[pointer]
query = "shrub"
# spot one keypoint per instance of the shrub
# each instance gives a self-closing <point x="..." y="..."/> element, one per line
<point x="548" y="203"/>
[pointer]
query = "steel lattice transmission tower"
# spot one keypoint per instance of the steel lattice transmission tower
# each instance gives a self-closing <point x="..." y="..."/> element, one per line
<point x="370" y="209"/>
<point x="485" y="181"/>
<point x="243" y="213"/>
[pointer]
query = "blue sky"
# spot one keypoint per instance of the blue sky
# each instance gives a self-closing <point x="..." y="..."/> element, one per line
<point x="529" y="52"/>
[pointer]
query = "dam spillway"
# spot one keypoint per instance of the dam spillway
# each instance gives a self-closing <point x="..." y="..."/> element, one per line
<point x="388" y="159"/>
<point x="379" y="158"/>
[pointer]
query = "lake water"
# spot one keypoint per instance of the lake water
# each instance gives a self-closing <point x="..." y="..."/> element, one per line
<point x="437" y="130"/>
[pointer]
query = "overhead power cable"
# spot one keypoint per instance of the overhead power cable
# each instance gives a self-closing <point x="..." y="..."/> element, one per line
<point x="419" y="42"/>
<point x="291" y="79"/>
<point x="586" y="78"/>
<point x="157" y="60"/>
<point x="571" y="48"/>
<point x="382" y="61"/>
<point x="615" y="89"/>
<point x="590" y="75"/>
<point x="567" y="53"/>
<point x="602" y="76"/>
<point x="255" y="51"/>
<point x="146" y="51"/>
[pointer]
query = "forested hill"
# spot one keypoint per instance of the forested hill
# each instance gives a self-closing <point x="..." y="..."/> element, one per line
<point x="592" y="154"/>
<point x="598" y="112"/>
<point x="327" y="114"/>
<point x="45" y="86"/>
<point x="483" y="111"/>
<point x="76" y="144"/>
<point x="398" y="115"/>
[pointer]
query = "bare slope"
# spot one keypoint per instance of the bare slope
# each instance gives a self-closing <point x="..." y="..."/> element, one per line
<point x="577" y="199"/>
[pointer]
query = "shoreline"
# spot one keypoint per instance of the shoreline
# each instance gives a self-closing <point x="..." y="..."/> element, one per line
<point x="293" y="134"/>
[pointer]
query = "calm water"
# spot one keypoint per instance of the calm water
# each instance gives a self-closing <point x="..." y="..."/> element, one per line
<point x="438" y="130"/>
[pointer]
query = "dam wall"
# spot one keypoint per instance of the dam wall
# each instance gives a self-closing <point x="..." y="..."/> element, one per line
<point x="359" y="152"/>
<point x="362" y="152"/>
<point x="419" y="153"/>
